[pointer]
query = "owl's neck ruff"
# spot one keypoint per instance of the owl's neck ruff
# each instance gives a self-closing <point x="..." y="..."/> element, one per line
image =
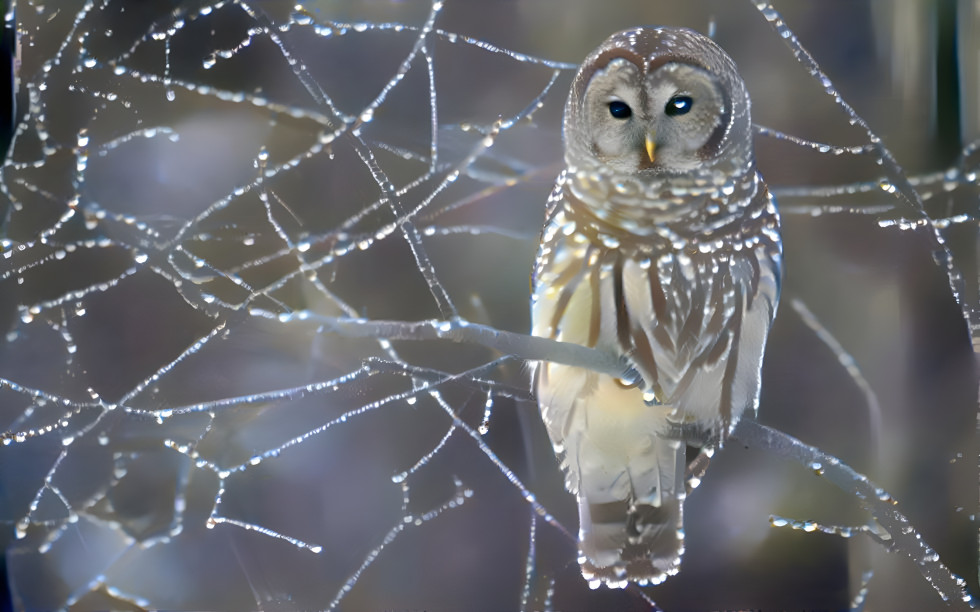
<point x="709" y="207"/>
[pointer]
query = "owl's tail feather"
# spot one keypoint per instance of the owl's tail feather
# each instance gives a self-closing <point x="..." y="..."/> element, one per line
<point x="641" y="540"/>
<point x="642" y="544"/>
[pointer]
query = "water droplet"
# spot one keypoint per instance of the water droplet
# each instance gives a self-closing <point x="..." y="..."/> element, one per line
<point x="610" y="241"/>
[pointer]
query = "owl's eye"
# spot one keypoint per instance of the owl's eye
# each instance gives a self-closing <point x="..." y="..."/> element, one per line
<point x="678" y="105"/>
<point x="620" y="110"/>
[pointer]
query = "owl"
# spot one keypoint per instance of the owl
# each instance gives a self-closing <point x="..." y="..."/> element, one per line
<point x="661" y="244"/>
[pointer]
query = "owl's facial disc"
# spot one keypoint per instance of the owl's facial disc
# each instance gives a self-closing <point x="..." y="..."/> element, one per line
<point x="666" y="122"/>
<point x="615" y="113"/>
<point x="689" y="115"/>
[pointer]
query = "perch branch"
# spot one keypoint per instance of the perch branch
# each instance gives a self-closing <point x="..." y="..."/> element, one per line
<point x="522" y="346"/>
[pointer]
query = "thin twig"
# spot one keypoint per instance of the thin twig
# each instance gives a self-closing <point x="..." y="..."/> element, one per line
<point x="904" y="538"/>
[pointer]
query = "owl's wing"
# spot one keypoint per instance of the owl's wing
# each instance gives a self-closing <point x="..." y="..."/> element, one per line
<point x="694" y="324"/>
<point x="551" y="208"/>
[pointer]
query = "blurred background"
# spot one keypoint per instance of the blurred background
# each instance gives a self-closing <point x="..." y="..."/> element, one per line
<point x="184" y="165"/>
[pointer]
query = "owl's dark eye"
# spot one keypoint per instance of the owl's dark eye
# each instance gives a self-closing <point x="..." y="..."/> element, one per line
<point x="678" y="105"/>
<point x="620" y="110"/>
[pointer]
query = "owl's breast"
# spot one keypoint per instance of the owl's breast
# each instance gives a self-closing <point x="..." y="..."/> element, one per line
<point x="690" y="309"/>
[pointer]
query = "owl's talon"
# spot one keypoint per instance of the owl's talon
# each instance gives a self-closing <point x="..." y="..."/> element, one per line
<point x="650" y="399"/>
<point x="630" y="378"/>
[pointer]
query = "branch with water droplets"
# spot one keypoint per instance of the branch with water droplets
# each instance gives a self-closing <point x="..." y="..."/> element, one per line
<point x="902" y="536"/>
<point x="522" y="346"/>
<point x="898" y="183"/>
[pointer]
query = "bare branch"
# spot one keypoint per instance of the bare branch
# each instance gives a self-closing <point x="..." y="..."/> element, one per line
<point x="905" y="539"/>
<point x="521" y="346"/>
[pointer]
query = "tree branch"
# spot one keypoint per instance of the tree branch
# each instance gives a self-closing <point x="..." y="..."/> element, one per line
<point x="904" y="538"/>
<point x="522" y="346"/>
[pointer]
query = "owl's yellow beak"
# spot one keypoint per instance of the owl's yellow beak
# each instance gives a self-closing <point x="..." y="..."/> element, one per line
<point x="651" y="146"/>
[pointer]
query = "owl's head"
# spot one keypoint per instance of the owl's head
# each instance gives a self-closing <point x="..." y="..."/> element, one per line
<point x="657" y="102"/>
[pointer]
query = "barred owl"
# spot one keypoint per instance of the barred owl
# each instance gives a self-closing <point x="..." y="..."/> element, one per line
<point x="661" y="244"/>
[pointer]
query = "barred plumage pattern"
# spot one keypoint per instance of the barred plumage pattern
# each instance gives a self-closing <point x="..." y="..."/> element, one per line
<point x="677" y="271"/>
